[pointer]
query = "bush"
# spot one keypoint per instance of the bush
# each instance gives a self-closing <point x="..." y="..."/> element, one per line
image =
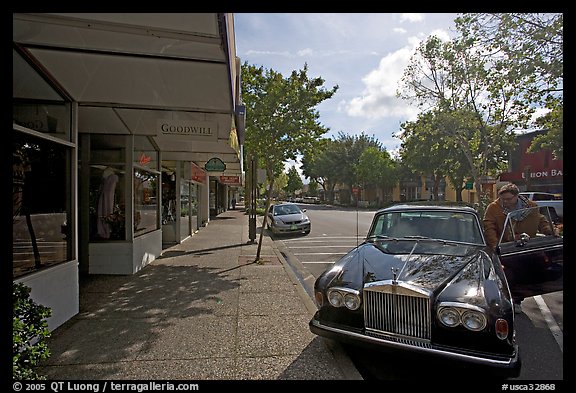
<point x="29" y="331"/>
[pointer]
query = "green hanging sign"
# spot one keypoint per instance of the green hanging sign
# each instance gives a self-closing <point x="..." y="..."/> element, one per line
<point x="215" y="164"/>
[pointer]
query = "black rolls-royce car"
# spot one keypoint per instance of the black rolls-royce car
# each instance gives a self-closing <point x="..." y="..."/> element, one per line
<point x="425" y="281"/>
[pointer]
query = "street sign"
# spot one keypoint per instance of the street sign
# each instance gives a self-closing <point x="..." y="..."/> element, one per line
<point x="469" y="185"/>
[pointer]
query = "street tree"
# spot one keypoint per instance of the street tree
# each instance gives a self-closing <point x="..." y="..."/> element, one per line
<point x="376" y="168"/>
<point x="294" y="181"/>
<point x="282" y="121"/>
<point x="427" y="149"/>
<point x="320" y="165"/>
<point x="313" y="188"/>
<point x="281" y="181"/>
<point x="531" y="46"/>
<point x="348" y="149"/>
<point x="478" y="103"/>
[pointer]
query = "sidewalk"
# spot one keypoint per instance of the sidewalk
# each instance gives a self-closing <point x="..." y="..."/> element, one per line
<point x="202" y="311"/>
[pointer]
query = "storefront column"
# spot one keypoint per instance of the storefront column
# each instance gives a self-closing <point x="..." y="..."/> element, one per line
<point x="203" y="205"/>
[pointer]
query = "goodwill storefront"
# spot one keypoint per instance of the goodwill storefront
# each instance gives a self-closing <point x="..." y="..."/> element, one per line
<point x="114" y="119"/>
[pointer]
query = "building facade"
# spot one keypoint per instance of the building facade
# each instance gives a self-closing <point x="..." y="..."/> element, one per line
<point x="116" y="119"/>
<point x="538" y="171"/>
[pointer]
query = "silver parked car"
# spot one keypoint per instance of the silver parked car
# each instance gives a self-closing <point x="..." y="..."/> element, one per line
<point x="286" y="218"/>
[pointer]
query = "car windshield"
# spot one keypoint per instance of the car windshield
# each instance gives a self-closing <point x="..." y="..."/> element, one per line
<point x="283" y="210"/>
<point x="444" y="225"/>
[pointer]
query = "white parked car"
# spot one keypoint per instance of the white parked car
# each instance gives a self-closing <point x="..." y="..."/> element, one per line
<point x="284" y="218"/>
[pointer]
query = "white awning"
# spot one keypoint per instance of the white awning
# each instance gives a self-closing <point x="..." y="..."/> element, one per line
<point x="172" y="77"/>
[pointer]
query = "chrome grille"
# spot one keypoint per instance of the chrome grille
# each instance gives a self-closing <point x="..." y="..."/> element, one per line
<point x="397" y="314"/>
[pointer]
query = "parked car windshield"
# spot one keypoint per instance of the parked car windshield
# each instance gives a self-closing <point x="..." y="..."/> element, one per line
<point x="444" y="225"/>
<point x="282" y="210"/>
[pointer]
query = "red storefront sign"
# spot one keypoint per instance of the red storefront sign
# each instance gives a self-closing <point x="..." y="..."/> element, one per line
<point x="198" y="174"/>
<point x="230" y="180"/>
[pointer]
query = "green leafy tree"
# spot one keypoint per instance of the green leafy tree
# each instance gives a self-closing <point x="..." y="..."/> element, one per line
<point x="427" y="149"/>
<point x="348" y="150"/>
<point x="376" y="168"/>
<point x="320" y="166"/>
<point x="313" y="188"/>
<point x="530" y="47"/>
<point x="280" y="184"/>
<point x="477" y="102"/>
<point x="553" y="140"/>
<point x="281" y="121"/>
<point x="294" y="182"/>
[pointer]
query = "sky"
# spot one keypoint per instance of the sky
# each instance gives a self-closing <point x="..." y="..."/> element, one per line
<point x="365" y="54"/>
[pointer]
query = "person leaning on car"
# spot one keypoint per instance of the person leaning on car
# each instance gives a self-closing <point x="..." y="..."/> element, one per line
<point x="528" y="222"/>
<point x="508" y="201"/>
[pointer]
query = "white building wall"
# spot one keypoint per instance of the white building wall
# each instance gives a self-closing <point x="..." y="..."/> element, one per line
<point x="57" y="288"/>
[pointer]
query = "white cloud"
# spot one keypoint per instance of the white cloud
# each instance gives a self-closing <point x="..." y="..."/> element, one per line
<point x="378" y="100"/>
<point x="411" y="17"/>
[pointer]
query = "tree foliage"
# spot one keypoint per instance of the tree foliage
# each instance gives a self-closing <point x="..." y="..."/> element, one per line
<point x="294" y="182"/>
<point x="530" y="47"/>
<point x="282" y="121"/>
<point x="476" y="104"/>
<point x="427" y="149"/>
<point x="320" y="165"/>
<point x="376" y="168"/>
<point x="29" y="333"/>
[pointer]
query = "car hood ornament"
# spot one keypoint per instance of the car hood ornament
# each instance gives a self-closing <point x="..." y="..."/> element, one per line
<point x="394" y="275"/>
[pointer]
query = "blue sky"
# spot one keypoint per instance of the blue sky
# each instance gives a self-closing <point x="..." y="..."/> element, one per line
<point x="363" y="53"/>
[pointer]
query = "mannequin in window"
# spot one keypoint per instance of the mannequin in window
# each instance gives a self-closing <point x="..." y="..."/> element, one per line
<point x="106" y="201"/>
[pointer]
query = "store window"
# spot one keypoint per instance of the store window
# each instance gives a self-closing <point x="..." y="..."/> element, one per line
<point x="184" y="209"/>
<point x="107" y="200"/>
<point x="145" y="201"/>
<point x="194" y="207"/>
<point x="48" y="118"/>
<point x="41" y="202"/>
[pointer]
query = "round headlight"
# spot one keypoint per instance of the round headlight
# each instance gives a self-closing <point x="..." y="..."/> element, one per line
<point x="335" y="298"/>
<point x="352" y="301"/>
<point x="449" y="316"/>
<point x="474" y="320"/>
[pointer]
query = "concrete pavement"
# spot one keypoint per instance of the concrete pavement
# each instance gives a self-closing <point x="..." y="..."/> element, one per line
<point x="204" y="310"/>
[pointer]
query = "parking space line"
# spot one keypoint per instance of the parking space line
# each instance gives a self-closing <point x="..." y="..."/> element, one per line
<point x="550" y="321"/>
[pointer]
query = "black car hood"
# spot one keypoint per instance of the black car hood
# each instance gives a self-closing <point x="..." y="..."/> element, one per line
<point x="427" y="264"/>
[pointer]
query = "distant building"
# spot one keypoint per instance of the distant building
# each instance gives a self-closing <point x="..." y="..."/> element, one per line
<point x="537" y="171"/>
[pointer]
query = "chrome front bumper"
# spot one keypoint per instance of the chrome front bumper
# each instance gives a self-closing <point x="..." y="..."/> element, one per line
<point x="507" y="363"/>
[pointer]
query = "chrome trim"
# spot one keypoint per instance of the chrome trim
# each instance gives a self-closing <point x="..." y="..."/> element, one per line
<point x="461" y="305"/>
<point x="531" y="250"/>
<point x="345" y="290"/>
<point x="424" y="349"/>
<point x="397" y="288"/>
<point x="398" y="310"/>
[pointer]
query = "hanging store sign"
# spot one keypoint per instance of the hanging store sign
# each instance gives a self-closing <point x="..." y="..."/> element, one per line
<point x="215" y="164"/>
